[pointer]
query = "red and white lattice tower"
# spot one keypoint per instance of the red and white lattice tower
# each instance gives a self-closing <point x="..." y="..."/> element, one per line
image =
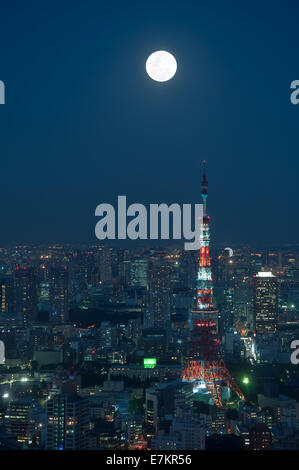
<point x="205" y="365"/>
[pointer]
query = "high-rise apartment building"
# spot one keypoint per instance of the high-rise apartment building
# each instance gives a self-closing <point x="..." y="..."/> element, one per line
<point x="158" y="315"/>
<point x="25" y="294"/>
<point x="138" y="272"/>
<point x="265" y="303"/>
<point x="22" y="420"/>
<point x="59" y="299"/>
<point x="105" y="264"/>
<point x="6" y="295"/>
<point x="67" y="423"/>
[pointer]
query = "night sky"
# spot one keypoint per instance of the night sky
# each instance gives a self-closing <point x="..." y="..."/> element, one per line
<point x="83" y="123"/>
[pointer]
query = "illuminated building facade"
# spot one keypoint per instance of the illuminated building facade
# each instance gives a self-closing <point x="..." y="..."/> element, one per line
<point x="67" y="423"/>
<point x="158" y="314"/>
<point x="265" y="303"/>
<point x="21" y="419"/>
<point x="59" y="301"/>
<point x="25" y="294"/>
<point x="138" y="272"/>
<point x="6" y="296"/>
<point x="260" y="437"/>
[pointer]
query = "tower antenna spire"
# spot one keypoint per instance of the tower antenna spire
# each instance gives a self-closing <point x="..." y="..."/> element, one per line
<point x="204" y="188"/>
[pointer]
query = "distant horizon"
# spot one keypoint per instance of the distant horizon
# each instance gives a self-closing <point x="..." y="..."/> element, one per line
<point x="155" y="244"/>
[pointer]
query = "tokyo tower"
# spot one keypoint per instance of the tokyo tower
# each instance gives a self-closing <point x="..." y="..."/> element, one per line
<point x="205" y="365"/>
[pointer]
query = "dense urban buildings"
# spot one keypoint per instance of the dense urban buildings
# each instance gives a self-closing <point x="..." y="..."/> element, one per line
<point x="99" y="361"/>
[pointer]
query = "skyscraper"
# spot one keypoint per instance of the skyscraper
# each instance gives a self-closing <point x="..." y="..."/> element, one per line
<point x="265" y="303"/>
<point x="105" y="264"/>
<point x="138" y="272"/>
<point x="22" y="419"/>
<point x="25" y="294"/>
<point x="6" y="295"/>
<point x="205" y="365"/>
<point x="67" y="423"/>
<point x="59" y="301"/>
<point x="158" y="315"/>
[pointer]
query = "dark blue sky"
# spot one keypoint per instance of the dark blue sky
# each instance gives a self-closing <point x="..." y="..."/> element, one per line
<point x="83" y="122"/>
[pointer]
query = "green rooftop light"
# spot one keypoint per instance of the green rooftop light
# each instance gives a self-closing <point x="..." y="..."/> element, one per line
<point x="245" y="380"/>
<point x="149" y="363"/>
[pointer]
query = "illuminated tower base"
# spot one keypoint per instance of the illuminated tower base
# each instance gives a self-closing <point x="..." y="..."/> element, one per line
<point x="211" y="377"/>
<point x="205" y="366"/>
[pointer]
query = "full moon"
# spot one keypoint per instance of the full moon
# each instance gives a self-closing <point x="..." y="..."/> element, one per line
<point x="161" y="66"/>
